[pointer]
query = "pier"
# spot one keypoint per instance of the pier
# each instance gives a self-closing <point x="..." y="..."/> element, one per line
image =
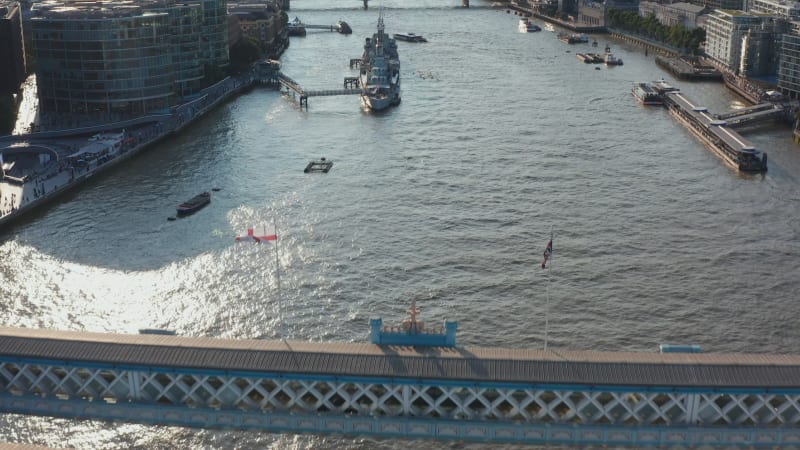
<point x="444" y="392"/>
<point x="732" y="148"/>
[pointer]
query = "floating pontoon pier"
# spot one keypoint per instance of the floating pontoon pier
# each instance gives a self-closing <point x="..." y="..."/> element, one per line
<point x="715" y="133"/>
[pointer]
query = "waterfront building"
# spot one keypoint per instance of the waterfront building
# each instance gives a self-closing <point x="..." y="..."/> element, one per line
<point x="719" y="4"/>
<point x="684" y="14"/>
<point x="747" y="44"/>
<point x="120" y="59"/>
<point x="623" y="5"/>
<point x="592" y="13"/>
<point x="778" y="8"/>
<point x="214" y="48"/>
<point x="789" y="67"/>
<point x="261" y="22"/>
<point x="12" y="50"/>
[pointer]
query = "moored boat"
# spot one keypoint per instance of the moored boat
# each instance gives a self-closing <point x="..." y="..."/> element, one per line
<point x="526" y="26"/>
<point x="296" y="27"/>
<point x="646" y="94"/>
<point x="662" y="86"/>
<point x="409" y="37"/>
<point x="380" y="71"/>
<point x="573" y="38"/>
<point x="612" y="60"/>
<point x="194" y="204"/>
<point x="343" y="28"/>
<point x="589" y="58"/>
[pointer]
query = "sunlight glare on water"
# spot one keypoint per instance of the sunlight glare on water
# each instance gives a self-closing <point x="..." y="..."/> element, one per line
<point x="447" y="199"/>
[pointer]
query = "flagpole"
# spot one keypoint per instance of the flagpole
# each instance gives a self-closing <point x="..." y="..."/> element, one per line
<point x="278" y="280"/>
<point x="547" y="288"/>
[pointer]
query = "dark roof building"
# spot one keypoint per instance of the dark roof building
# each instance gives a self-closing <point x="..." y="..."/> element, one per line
<point x="12" y="50"/>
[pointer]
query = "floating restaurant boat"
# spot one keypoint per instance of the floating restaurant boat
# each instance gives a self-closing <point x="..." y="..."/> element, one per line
<point x="409" y="37"/>
<point x="646" y="94"/>
<point x="194" y="204"/>
<point x="380" y="71"/>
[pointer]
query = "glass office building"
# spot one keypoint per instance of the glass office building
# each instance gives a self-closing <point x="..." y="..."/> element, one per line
<point x="118" y="59"/>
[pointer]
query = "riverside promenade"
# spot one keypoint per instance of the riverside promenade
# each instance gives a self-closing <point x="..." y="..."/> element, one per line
<point x="38" y="167"/>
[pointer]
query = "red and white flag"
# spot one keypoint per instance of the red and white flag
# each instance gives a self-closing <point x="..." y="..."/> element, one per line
<point x="265" y="235"/>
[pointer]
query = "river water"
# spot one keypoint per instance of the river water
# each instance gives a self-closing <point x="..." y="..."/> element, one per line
<point x="448" y="199"/>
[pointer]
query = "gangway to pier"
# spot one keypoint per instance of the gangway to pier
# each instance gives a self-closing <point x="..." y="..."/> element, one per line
<point x="745" y="111"/>
<point x="330" y="92"/>
<point x="303" y="94"/>
<point x="775" y="112"/>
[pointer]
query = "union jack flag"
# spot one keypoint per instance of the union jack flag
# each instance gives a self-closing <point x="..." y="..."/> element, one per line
<point x="548" y="252"/>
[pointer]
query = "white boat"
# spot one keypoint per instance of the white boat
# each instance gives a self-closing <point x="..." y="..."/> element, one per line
<point x="526" y="26"/>
<point x="380" y="71"/>
<point x="409" y="37"/>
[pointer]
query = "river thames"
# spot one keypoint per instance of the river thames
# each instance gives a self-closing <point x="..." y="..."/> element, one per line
<point x="447" y="199"/>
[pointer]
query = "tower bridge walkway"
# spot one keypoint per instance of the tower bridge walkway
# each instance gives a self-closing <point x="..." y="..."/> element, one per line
<point x="446" y="393"/>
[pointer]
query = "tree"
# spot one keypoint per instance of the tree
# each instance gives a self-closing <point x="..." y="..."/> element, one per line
<point x="245" y="52"/>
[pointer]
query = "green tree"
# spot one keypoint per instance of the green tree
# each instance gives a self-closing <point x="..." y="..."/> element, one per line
<point x="245" y="52"/>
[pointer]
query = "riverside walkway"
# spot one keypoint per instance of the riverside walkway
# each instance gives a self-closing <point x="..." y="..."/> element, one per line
<point x="445" y="393"/>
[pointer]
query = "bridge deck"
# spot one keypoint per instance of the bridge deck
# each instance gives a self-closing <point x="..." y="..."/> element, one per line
<point x="703" y="370"/>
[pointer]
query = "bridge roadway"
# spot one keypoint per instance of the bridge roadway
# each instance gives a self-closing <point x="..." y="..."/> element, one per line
<point x="459" y="393"/>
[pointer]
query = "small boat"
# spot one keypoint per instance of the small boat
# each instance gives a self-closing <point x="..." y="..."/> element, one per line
<point x="343" y="28"/>
<point x="323" y="166"/>
<point x="194" y="204"/>
<point x="526" y="26"/>
<point x="589" y="58"/>
<point x="409" y="37"/>
<point x="612" y="60"/>
<point x="296" y="27"/>
<point x="573" y="38"/>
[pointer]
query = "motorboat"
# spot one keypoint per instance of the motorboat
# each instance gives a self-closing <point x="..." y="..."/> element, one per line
<point x="612" y="60"/>
<point x="409" y="37"/>
<point x="526" y="26"/>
